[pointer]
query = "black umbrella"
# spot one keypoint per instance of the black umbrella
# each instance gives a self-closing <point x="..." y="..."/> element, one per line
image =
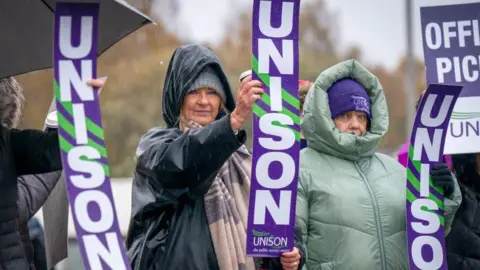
<point x="26" y="31"/>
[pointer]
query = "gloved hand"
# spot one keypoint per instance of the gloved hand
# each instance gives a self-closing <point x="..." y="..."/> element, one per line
<point x="442" y="177"/>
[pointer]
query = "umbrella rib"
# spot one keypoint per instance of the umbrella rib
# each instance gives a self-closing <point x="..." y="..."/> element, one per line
<point x="49" y="7"/>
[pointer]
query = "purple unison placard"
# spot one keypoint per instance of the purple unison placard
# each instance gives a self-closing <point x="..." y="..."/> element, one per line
<point x="425" y="208"/>
<point x="81" y="137"/>
<point x="451" y="45"/>
<point x="276" y="128"/>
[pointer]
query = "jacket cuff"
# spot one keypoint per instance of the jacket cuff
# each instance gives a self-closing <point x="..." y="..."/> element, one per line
<point x="241" y="135"/>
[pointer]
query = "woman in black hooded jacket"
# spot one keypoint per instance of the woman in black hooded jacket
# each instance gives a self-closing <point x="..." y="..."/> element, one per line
<point x="191" y="182"/>
<point x="463" y="242"/>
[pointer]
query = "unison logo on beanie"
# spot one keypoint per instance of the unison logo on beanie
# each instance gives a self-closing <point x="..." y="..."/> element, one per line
<point x="361" y="104"/>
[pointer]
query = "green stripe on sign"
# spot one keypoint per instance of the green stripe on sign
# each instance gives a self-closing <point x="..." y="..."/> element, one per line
<point x="70" y="129"/>
<point x="100" y="149"/>
<point x="95" y="129"/>
<point x="295" y="117"/>
<point x="260" y="112"/>
<point x="66" y="147"/>
<point x="67" y="106"/>
<point x="418" y="166"/>
<point x="106" y="169"/>
<point x="66" y="125"/>
<point x="411" y="198"/>
<point x="64" y="144"/>
<point x="414" y="181"/>
<point x="265" y="78"/>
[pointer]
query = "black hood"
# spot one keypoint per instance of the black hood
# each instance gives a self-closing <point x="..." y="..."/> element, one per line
<point x="186" y="64"/>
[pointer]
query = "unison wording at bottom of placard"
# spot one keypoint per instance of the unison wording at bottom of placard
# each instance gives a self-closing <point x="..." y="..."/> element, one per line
<point x="425" y="206"/>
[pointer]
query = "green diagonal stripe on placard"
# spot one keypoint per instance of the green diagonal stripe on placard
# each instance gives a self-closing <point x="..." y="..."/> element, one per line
<point x="412" y="179"/>
<point x="66" y="146"/>
<point x="411" y="198"/>
<point x="296" y="119"/>
<point x="70" y="129"/>
<point x="95" y="129"/>
<point x="265" y="78"/>
<point x="66" y="125"/>
<point x="91" y="126"/>
<point x="100" y="149"/>
<point x="260" y="112"/>
<point x="416" y="184"/>
<point x="418" y="167"/>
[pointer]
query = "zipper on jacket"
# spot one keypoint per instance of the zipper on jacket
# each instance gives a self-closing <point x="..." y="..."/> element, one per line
<point x="377" y="218"/>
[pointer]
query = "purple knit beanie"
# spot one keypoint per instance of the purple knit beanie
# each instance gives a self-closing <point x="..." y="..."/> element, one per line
<point x="348" y="95"/>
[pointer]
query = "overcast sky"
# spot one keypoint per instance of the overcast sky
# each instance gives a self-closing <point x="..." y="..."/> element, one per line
<point x="376" y="26"/>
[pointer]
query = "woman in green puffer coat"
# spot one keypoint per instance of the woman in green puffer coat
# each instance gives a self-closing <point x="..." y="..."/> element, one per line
<point x="351" y="200"/>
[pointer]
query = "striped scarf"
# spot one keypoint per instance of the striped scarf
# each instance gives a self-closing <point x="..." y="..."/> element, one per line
<point x="226" y="207"/>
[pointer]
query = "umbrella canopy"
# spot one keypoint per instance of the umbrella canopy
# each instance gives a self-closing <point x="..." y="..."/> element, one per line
<point x="26" y="31"/>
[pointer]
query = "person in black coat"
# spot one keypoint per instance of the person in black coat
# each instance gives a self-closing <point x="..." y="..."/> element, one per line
<point x="463" y="241"/>
<point x="22" y="153"/>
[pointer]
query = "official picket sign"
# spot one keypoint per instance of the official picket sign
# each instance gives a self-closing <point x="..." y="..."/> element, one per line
<point x="451" y="44"/>
<point x="81" y="137"/>
<point x="276" y="128"/>
<point x="425" y="208"/>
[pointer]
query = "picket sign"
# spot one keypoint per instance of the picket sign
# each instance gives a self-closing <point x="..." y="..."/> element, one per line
<point x="425" y="206"/>
<point x="451" y="46"/>
<point x="276" y="128"/>
<point x="81" y="137"/>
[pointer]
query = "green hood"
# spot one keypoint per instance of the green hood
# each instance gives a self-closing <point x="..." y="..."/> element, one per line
<point x="318" y="127"/>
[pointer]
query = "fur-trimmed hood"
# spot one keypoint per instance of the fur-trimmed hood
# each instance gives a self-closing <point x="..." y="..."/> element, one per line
<point x="11" y="102"/>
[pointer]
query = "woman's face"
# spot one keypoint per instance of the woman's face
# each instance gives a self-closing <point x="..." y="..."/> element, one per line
<point x="201" y="106"/>
<point x="352" y="122"/>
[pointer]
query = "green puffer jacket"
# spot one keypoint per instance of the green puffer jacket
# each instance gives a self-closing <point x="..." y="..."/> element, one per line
<point x="351" y="200"/>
